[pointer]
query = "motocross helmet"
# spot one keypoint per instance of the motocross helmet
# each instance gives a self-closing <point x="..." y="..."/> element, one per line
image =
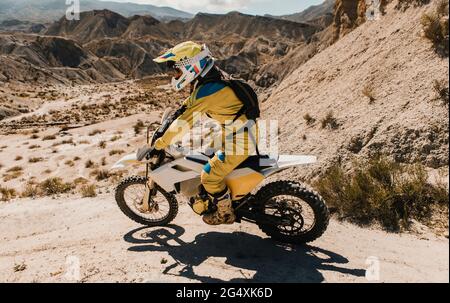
<point x="190" y="61"/>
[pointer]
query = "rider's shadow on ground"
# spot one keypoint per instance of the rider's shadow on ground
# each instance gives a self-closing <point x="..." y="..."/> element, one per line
<point x="272" y="261"/>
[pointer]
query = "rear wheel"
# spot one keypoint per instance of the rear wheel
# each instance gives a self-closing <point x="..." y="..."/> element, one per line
<point x="163" y="206"/>
<point x="304" y="212"/>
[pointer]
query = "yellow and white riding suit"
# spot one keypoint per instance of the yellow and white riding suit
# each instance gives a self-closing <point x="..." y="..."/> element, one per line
<point x="220" y="103"/>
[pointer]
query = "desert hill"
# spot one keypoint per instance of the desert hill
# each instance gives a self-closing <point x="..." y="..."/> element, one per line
<point x="372" y="92"/>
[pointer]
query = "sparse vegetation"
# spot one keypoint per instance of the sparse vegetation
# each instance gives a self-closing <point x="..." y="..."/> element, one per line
<point x="100" y="174"/>
<point x="329" y="121"/>
<point x="382" y="191"/>
<point x="67" y="141"/>
<point x="35" y="159"/>
<point x="18" y="158"/>
<point x="95" y="132"/>
<point x="102" y="144"/>
<point x="53" y="186"/>
<point x="34" y="146"/>
<point x="7" y="193"/>
<point x="116" y="152"/>
<point x="405" y="4"/>
<point x="14" y="169"/>
<point x="89" y="164"/>
<point x="49" y="137"/>
<point x="88" y="191"/>
<point x="435" y="27"/>
<point x="13" y="173"/>
<point x="309" y="119"/>
<point x="19" y="267"/>
<point x="31" y="190"/>
<point x="34" y="136"/>
<point x="368" y="92"/>
<point x="115" y="138"/>
<point x="442" y="91"/>
<point x="69" y="163"/>
<point x="103" y="161"/>
<point x="138" y="127"/>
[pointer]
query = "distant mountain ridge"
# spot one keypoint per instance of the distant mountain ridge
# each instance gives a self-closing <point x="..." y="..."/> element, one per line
<point x="50" y="10"/>
<point x="312" y="12"/>
<point x="257" y="48"/>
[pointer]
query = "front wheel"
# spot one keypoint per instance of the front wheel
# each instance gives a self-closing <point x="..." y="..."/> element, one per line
<point x="163" y="206"/>
<point x="303" y="211"/>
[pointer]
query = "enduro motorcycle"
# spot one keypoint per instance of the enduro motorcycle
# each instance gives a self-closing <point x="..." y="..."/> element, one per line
<point x="286" y="211"/>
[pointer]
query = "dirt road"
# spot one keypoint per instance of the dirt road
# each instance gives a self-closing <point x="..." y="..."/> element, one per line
<point x="89" y="240"/>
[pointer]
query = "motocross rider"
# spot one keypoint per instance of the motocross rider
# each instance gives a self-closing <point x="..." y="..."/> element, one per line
<point x="193" y="65"/>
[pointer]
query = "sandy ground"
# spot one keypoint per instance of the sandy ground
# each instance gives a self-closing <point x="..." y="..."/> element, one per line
<point x="45" y="240"/>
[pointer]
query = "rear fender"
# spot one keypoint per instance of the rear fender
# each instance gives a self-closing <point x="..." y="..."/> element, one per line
<point x="287" y="161"/>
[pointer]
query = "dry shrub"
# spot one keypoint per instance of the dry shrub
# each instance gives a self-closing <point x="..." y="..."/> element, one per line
<point x="80" y="181"/>
<point x="34" y="146"/>
<point x="441" y="91"/>
<point x="49" y="137"/>
<point x="405" y="4"/>
<point x="53" y="186"/>
<point x="88" y="191"/>
<point x="15" y="169"/>
<point x="367" y="91"/>
<point x="13" y="173"/>
<point x="18" y="158"/>
<point x="95" y="132"/>
<point x="380" y="190"/>
<point x="69" y="163"/>
<point x="100" y="174"/>
<point x="138" y="127"/>
<point x="435" y="27"/>
<point x="31" y="190"/>
<point x="115" y="138"/>
<point x="309" y="119"/>
<point x="34" y="136"/>
<point x="7" y="193"/>
<point x="116" y="152"/>
<point x="35" y="159"/>
<point x="89" y="164"/>
<point x="102" y="144"/>
<point x="329" y="121"/>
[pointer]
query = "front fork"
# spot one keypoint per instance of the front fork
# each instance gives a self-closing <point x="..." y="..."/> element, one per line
<point x="150" y="191"/>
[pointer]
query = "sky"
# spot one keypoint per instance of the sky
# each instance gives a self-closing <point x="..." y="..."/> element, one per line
<point x="254" y="7"/>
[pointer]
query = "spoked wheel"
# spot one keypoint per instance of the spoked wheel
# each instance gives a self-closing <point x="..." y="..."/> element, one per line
<point x="161" y="209"/>
<point x="304" y="213"/>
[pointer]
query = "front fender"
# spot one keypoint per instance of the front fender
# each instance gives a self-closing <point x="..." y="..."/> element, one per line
<point x="126" y="161"/>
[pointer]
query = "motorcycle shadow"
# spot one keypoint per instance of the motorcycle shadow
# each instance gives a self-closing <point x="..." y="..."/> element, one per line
<point x="271" y="261"/>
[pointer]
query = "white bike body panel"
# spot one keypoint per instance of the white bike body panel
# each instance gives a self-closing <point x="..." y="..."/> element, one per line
<point x="183" y="169"/>
<point x="175" y="172"/>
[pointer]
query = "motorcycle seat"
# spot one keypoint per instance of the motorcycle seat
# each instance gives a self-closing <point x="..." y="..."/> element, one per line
<point x="257" y="163"/>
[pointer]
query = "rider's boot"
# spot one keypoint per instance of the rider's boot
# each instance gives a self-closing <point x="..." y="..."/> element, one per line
<point x="224" y="213"/>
